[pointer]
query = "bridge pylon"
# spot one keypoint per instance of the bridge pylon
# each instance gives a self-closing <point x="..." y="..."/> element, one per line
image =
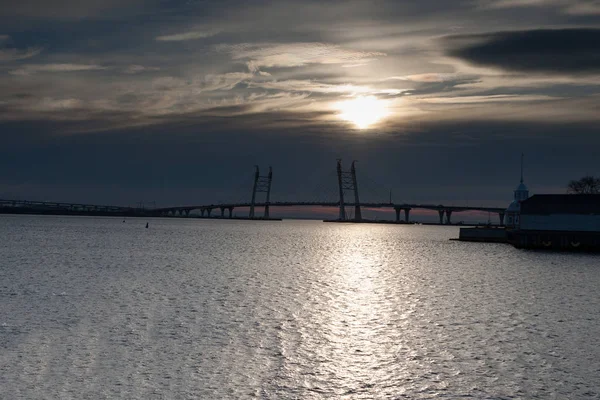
<point x="262" y="184"/>
<point x="347" y="182"/>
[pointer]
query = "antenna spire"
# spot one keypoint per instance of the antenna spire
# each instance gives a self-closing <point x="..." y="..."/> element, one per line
<point x="522" y="155"/>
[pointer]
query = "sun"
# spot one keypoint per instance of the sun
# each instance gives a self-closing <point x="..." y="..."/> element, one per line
<point x="363" y="111"/>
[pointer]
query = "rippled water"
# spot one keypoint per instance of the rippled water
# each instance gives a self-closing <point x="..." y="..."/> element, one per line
<point x="94" y="308"/>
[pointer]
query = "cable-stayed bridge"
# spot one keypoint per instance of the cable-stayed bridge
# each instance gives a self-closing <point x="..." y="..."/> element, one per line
<point x="347" y="198"/>
<point x="402" y="210"/>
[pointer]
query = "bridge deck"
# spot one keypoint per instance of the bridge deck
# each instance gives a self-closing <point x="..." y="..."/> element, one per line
<point x="438" y="207"/>
<point x="43" y="205"/>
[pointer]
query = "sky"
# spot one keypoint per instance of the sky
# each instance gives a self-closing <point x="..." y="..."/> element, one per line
<point x="174" y="102"/>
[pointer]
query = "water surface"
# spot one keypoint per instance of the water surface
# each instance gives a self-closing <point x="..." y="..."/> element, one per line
<point x="94" y="308"/>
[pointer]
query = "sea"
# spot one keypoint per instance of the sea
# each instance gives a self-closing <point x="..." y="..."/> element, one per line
<point x="105" y="308"/>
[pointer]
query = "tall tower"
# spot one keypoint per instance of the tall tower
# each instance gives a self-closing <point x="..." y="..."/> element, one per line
<point x="268" y="199"/>
<point x="520" y="194"/>
<point x="253" y="201"/>
<point x="262" y="184"/>
<point x="357" y="214"/>
<point x="347" y="182"/>
<point x="342" y="216"/>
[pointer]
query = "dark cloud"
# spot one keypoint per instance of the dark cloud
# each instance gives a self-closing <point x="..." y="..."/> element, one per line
<point x="66" y="9"/>
<point x="541" y="50"/>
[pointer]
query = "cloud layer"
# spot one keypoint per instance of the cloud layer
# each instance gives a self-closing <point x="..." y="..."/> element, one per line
<point x="572" y="7"/>
<point x="9" y="53"/>
<point x="269" y="55"/>
<point x="179" y="37"/>
<point x="540" y="50"/>
<point x="37" y="68"/>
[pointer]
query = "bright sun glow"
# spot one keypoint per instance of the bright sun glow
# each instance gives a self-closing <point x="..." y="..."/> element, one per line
<point x="363" y="111"/>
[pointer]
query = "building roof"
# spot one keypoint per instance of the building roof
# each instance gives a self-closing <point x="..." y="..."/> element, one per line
<point x="515" y="206"/>
<point x="561" y="204"/>
<point x="522" y="188"/>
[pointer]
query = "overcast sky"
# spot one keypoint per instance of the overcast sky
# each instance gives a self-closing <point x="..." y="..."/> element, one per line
<point x="175" y="101"/>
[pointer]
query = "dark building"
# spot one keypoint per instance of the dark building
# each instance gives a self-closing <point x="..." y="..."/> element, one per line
<point x="559" y="221"/>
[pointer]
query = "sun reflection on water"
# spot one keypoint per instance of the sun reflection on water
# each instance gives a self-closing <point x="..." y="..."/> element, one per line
<point x="357" y="314"/>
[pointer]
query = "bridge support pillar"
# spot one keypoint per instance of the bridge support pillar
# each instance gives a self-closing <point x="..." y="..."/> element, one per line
<point x="202" y="212"/>
<point x="406" y="214"/>
<point x="347" y="181"/>
<point x="267" y="202"/>
<point x="187" y="213"/>
<point x="357" y="213"/>
<point x="230" y="212"/>
<point x="441" y="212"/>
<point x="448" y="217"/>
<point x="342" y="215"/>
<point x="222" y="212"/>
<point x="397" y="214"/>
<point x="253" y="201"/>
<point x="501" y="216"/>
<point x="262" y="184"/>
<point x="208" y="211"/>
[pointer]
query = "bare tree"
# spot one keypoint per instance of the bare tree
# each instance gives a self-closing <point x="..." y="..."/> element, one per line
<point x="586" y="185"/>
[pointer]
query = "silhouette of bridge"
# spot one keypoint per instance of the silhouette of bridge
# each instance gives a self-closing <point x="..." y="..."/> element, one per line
<point x="346" y="180"/>
<point x="61" y="208"/>
<point x="445" y="212"/>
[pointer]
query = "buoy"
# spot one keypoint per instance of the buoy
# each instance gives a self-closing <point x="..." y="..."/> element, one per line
<point x="146" y="225"/>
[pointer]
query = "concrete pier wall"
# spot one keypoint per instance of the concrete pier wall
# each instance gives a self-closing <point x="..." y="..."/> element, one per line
<point x="483" y="234"/>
